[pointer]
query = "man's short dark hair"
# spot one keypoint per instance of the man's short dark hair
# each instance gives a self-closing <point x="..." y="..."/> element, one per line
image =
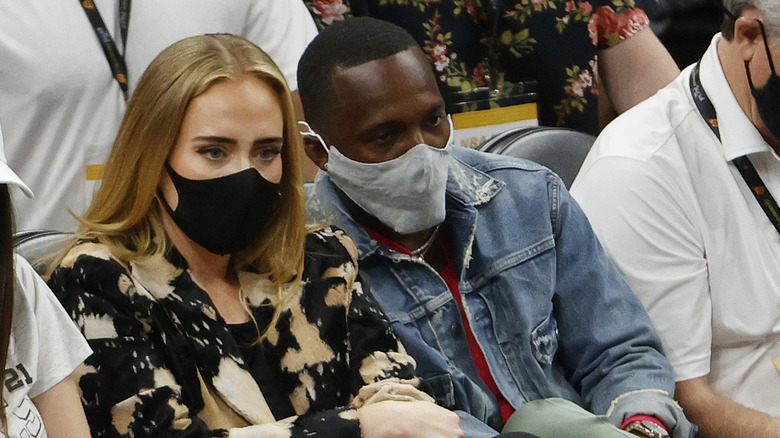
<point x="344" y="44"/>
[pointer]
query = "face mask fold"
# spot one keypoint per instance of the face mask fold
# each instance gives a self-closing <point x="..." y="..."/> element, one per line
<point x="406" y="193"/>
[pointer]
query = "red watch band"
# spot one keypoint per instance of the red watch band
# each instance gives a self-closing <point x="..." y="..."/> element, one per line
<point x="641" y="417"/>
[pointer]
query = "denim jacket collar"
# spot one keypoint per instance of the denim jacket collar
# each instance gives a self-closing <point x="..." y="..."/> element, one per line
<point x="467" y="188"/>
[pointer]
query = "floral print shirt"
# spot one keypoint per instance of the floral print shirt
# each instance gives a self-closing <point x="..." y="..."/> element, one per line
<point x="476" y="43"/>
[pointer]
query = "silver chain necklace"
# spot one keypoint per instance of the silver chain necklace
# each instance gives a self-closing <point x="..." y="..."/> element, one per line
<point x="420" y="252"/>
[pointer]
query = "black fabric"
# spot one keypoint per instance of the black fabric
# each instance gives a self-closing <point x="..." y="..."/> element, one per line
<point x="258" y="365"/>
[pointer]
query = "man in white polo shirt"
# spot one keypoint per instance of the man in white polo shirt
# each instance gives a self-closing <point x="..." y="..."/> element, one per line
<point x="61" y="102"/>
<point x="681" y="191"/>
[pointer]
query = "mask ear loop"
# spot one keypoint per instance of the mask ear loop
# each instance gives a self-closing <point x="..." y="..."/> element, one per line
<point x="311" y="135"/>
<point x="768" y="55"/>
<point x="766" y="47"/>
<point x="451" y="138"/>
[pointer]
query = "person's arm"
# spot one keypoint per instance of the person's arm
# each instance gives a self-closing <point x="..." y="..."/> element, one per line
<point x="60" y="408"/>
<point x="635" y="69"/>
<point x="59" y="349"/>
<point x="605" y="336"/>
<point x="719" y="417"/>
<point x="644" y="213"/>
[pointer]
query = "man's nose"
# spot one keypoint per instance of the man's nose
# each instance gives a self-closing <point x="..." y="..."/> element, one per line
<point x="418" y="137"/>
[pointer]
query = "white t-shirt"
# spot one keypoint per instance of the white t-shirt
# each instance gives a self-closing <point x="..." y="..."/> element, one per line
<point x="59" y="104"/>
<point x="46" y="347"/>
<point x="682" y="226"/>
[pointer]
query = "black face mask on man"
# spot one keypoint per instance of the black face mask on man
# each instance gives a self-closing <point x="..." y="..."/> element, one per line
<point x="225" y="214"/>
<point x="767" y="97"/>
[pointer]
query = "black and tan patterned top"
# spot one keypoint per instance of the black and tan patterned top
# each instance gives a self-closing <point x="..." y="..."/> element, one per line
<point x="165" y="363"/>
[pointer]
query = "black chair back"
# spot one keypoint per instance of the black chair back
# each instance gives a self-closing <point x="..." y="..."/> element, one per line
<point x="562" y="150"/>
<point x="37" y="246"/>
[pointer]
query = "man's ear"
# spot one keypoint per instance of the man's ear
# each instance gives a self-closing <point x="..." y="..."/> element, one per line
<point x="747" y="34"/>
<point x="315" y="151"/>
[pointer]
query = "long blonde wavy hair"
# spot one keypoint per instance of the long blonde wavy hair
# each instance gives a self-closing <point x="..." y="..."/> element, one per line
<point x="126" y="213"/>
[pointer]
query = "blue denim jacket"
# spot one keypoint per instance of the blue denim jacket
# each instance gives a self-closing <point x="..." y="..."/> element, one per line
<point x="549" y="311"/>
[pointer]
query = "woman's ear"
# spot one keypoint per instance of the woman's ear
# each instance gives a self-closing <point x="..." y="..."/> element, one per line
<point x="747" y="34"/>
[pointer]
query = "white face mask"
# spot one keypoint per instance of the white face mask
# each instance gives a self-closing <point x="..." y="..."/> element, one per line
<point x="406" y="193"/>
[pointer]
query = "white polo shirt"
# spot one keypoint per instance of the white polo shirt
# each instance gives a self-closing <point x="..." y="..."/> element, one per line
<point x="682" y="226"/>
<point x="59" y="104"/>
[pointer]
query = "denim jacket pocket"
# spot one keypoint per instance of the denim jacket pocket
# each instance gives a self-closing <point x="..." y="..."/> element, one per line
<point x="544" y="340"/>
<point x="442" y="389"/>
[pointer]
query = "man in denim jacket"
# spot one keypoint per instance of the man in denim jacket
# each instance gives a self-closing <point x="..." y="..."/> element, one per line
<point x="487" y="268"/>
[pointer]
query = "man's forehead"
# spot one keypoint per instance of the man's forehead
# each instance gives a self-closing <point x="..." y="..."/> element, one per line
<point x="402" y="72"/>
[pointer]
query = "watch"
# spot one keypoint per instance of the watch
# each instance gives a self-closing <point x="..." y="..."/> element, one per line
<point x="647" y="429"/>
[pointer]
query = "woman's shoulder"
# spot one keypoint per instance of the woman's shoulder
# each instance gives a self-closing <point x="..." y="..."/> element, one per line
<point x="330" y="253"/>
<point x="30" y="289"/>
<point x="88" y="261"/>
<point x="88" y="247"/>
<point x="330" y="241"/>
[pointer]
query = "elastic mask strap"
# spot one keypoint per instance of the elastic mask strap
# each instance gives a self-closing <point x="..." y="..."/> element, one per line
<point x="311" y="135"/>
<point x="451" y="138"/>
<point x="766" y="47"/>
<point x="725" y="11"/>
<point x="750" y="77"/>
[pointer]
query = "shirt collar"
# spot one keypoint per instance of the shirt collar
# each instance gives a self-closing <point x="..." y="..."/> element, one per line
<point x="738" y="134"/>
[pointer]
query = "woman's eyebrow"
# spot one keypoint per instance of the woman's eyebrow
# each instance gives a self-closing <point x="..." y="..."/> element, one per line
<point x="215" y="139"/>
<point x="269" y="140"/>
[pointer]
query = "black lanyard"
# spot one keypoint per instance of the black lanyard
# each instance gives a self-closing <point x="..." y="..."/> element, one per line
<point x="115" y="59"/>
<point x="743" y="164"/>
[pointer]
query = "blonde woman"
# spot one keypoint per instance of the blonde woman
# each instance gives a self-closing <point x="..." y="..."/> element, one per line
<point x="210" y="310"/>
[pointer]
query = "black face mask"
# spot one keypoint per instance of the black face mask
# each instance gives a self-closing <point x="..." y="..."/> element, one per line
<point x="768" y="96"/>
<point x="225" y="214"/>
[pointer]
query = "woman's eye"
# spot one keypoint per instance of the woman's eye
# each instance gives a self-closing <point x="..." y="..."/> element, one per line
<point x="212" y="153"/>
<point x="267" y="154"/>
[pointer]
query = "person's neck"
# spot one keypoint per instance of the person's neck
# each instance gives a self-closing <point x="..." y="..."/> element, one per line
<point x="210" y="272"/>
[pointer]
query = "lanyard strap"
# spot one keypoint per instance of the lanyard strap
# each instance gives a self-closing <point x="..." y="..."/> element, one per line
<point x="743" y="164"/>
<point x="115" y="59"/>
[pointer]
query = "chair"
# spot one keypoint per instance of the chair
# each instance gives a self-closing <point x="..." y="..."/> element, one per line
<point x="562" y="150"/>
<point x="37" y="246"/>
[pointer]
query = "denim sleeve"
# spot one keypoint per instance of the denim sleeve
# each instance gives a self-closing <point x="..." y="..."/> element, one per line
<point x="474" y="428"/>
<point x="656" y="403"/>
<point x="606" y="338"/>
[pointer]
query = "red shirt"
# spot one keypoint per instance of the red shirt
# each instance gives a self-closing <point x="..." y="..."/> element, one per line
<point x="450" y="276"/>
